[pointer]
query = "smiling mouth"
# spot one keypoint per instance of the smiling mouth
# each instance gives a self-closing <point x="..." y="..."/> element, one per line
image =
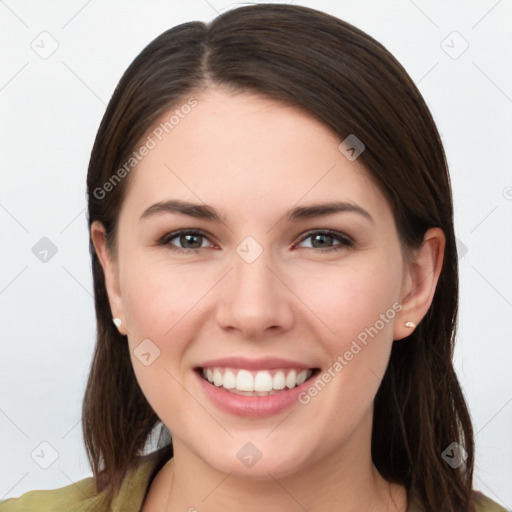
<point x="256" y="383"/>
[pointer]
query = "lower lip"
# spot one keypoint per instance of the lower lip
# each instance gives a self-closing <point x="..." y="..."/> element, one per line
<point x="252" y="406"/>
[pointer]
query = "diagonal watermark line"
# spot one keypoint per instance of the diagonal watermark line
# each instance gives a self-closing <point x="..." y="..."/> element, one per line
<point x="284" y="489"/>
<point x="199" y="300"/>
<point x="15" y="485"/>
<point x="13" y="279"/>
<point x="199" y="403"/>
<point x="428" y="72"/>
<point x="304" y="195"/>
<point x="14" y="76"/>
<point x="206" y="2"/>
<point x="14" y="218"/>
<point x="485" y="15"/>
<point x="474" y="268"/>
<point x="72" y="220"/>
<point x="480" y="430"/>
<point x="492" y="81"/>
<point x="492" y="211"/>
<point x="489" y="490"/>
<point x="14" y="424"/>
<point x="71" y="429"/>
<point x="165" y="165"/>
<point x="13" y="13"/>
<point x="90" y="497"/>
<point x="217" y="486"/>
<point x="279" y="423"/>
<point x="84" y="83"/>
<point x="301" y="300"/>
<point x="76" y="14"/>
<point x="376" y="376"/>
<point x="424" y="14"/>
<point x="79" y="283"/>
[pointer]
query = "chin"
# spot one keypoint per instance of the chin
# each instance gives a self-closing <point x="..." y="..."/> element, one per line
<point x="251" y="463"/>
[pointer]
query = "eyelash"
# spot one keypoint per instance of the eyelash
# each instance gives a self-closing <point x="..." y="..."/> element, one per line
<point x="346" y="241"/>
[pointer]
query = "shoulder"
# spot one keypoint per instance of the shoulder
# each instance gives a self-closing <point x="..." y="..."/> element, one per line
<point x="485" y="504"/>
<point x="482" y="503"/>
<point x="75" y="497"/>
<point x="82" y="496"/>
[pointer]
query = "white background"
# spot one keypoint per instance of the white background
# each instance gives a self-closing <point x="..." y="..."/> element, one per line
<point x="50" y="111"/>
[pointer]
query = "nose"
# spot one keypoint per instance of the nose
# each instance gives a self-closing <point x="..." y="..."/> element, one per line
<point x="254" y="299"/>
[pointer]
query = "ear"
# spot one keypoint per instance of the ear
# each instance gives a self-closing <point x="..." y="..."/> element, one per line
<point x="111" y="272"/>
<point x="421" y="274"/>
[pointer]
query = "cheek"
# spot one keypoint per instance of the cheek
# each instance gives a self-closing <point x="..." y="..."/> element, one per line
<point x="157" y="296"/>
<point x="359" y="305"/>
<point x="158" y="305"/>
<point x="350" y="301"/>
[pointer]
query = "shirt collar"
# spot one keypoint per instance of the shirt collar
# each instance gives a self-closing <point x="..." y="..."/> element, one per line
<point x="136" y="484"/>
<point x="138" y="480"/>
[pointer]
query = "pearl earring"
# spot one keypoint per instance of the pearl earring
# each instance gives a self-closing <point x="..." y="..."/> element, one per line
<point x="409" y="324"/>
<point x="117" y="322"/>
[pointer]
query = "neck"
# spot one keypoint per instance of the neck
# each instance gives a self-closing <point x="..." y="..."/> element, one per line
<point x="345" y="480"/>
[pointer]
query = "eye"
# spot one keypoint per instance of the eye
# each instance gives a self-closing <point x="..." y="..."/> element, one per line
<point x="324" y="238"/>
<point x="191" y="240"/>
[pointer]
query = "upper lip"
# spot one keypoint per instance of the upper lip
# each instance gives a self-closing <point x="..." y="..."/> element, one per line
<point x="265" y="363"/>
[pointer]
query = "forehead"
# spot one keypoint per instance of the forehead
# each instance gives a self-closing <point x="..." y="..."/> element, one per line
<point x="257" y="152"/>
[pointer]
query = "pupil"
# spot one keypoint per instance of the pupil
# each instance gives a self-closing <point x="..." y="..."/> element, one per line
<point x="322" y="237"/>
<point x="187" y="237"/>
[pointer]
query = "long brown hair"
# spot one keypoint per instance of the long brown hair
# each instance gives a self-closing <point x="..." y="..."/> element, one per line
<point x="355" y="86"/>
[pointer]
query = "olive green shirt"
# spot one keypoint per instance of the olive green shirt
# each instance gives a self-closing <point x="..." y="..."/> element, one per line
<point x="81" y="496"/>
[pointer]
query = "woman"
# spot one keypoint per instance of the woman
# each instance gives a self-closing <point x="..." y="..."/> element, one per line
<point x="292" y="374"/>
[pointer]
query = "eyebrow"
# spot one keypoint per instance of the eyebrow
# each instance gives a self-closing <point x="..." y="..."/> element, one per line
<point x="206" y="212"/>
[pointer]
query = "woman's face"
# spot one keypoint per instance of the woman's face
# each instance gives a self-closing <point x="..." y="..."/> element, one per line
<point x="257" y="284"/>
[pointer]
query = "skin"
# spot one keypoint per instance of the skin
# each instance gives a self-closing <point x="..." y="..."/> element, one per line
<point x="252" y="159"/>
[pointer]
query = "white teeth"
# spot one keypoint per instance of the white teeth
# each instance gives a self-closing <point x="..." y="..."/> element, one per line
<point x="244" y="381"/>
<point x="263" y="382"/>
<point x="278" y="382"/>
<point x="302" y="377"/>
<point x="260" y="383"/>
<point x="217" y="377"/>
<point x="291" y="379"/>
<point x="229" y="381"/>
